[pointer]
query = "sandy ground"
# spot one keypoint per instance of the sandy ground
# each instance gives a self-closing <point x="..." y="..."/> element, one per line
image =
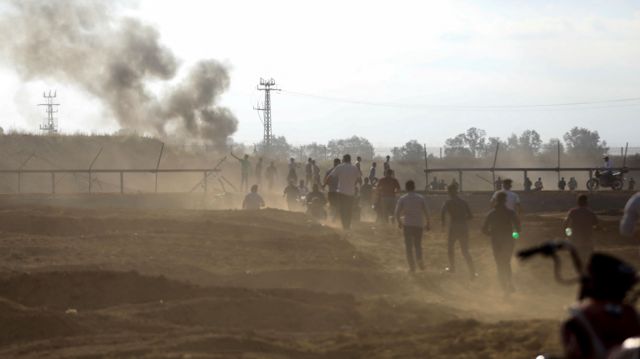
<point x="138" y="283"/>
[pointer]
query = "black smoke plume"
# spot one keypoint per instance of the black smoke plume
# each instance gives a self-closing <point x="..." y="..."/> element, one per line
<point x="90" y="45"/>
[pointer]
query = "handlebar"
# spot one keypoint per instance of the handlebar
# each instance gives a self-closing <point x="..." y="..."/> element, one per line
<point x="551" y="249"/>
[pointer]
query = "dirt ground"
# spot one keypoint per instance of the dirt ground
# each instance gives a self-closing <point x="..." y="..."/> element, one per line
<point x="177" y="283"/>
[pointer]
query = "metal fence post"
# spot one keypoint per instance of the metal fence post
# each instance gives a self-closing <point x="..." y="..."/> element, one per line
<point x="53" y="182"/>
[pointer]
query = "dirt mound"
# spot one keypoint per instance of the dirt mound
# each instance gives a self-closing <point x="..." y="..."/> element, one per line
<point x="18" y="323"/>
<point x="91" y="289"/>
<point x="264" y="313"/>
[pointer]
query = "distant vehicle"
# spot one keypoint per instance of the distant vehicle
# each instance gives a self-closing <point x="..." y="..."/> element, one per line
<point x="611" y="179"/>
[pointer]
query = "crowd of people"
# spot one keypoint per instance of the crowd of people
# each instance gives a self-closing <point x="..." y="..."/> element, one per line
<point x="598" y="324"/>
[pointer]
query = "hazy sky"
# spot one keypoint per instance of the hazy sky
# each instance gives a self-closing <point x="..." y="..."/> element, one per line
<point x="418" y="55"/>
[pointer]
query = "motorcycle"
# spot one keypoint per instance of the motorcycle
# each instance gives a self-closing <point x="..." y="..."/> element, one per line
<point x="630" y="348"/>
<point x="612" y="179"/>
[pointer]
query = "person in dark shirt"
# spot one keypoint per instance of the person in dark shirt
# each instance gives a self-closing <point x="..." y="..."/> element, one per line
<point x="459" y="212"/>
<point x="316" y="203"/>
<point x="562" y="184"/>
<point x="527" y="184"/>
<point x="500" y="224"/>
<point x="365" y="193"/>
<point x="601" y="320"/>
<point x="291" y="193"/>
<point x="579" y="226"/>
<point x="387" y="189"/>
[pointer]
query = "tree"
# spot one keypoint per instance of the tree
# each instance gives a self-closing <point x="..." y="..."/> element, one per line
<point x="491" y="145"/>
<point x="470" y="143"/>
<point x="411" y="151"/>
<point x="456" y="147"/>
<point x="316" y="151"/>
<point x="280" y="148"/>
<point x="584" y="143"/>
<point x="474" y="138"/>
<point x="355" y="146"/>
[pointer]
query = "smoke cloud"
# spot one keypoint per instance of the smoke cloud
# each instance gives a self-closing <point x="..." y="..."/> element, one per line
<point x="88" y="44"/>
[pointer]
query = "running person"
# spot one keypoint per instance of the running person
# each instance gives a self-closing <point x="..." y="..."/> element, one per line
<point x="500" y="224"/>
<point x="578" y="226"/>
<point x="460" y="213"/>
<point x="347" y="176"/>
<point x="413" y="208"/>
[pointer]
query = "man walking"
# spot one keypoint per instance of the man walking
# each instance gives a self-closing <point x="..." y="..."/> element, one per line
<point x="308" y="170"/>
<point x="347" y="175"/>
<point x="271" y="174"/>
<point x="460" y="213"/>
<point x="513" y="200"/>
<point x="578" y="227"/>
<point x="500" y="224"/>
<point x="387" y="189"/>
<point x="332" y="194"/>
<point x="413" y="207"/>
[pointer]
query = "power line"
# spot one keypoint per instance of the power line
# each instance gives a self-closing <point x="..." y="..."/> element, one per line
<point x="620" y="102"/>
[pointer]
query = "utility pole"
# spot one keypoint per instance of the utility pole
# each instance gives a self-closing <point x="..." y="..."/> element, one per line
<point x="267" y="86"/>
<point x="50" y="125"/>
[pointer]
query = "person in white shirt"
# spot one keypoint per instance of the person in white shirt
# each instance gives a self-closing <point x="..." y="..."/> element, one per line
<point x="513" y="200"/>
<point x="413" y="207"/>
<point x="347" y="176"/>
<point x="608" y="164"/>
<point x="253" y="201"/>
<point x="631" y="216"/>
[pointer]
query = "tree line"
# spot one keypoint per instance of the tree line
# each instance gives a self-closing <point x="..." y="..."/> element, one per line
<point x="474" y="143"/>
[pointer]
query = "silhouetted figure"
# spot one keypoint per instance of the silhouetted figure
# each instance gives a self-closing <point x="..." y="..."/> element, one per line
<point x="578" y="226"/>
<point x="259" y="171"/>
<point x="538" y="185"/>
<point x="271" y="173"/>
<point x="302" y="188"/>
<point x="387" y="189"/>
<point x="412" y="215"/>
<point x="387" y="164"/>
<point x="372" y="174"/>
<point x="601" y="321"/>
<point x="527" y="184"/>
<point x="500" y="225"/>
<point x="347" y="175"/>
<point x="245" y="166"/>
<point x="442" y="185"/>
<point x="562" y="184"/>
<point x="358" y="164"/>
<point x="291" y="194"/>
<point x="434" y="184"/>
<point x="498" y="184"/>
<point x="332" y="190"/>
<point x="573" y="184"/>
<point x="513" y="200"/>
<point x="459" y="212"/>
<point x="292" y="175"/>
<point x="632" y="184"/>
<point x="316" y="173"/>
<point x="308" y="170"/>
<point x="365" y="193"/>
<point x="253" y="201"/>
<point x="631" y="216"/>
<point x="316" y="203"/>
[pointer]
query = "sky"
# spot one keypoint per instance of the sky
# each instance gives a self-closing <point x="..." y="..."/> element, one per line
<point x="390" y="71"/>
